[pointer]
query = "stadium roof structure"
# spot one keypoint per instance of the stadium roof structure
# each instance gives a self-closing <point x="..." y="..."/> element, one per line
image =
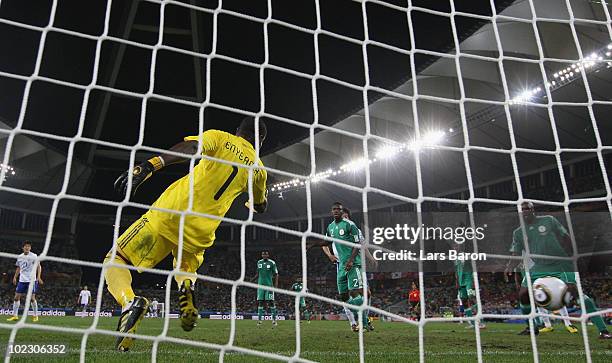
<point x="340" y="156"/>
<point x="113" y="113"/>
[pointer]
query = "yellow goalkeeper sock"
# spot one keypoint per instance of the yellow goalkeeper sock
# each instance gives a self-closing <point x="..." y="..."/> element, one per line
<point x="119" y="281"/>
<point x="181" y="278"/>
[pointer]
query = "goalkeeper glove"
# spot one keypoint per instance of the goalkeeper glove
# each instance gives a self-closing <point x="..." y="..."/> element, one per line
<point x="259" y="208"/>
<point x="140" y="173"/>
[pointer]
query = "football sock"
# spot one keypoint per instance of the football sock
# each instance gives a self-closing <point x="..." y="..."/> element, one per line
<point x="538" y="322"/>
<point x="564" y="313"/>
<point x="119" y="282"/>
<point x="358" y="300"/>
<point x="274" y="313"/>
<point x="545" y="319"/>
<point x="474" y="309"/>
<point x="349" y="315"/>
<point x="526" y="309"/>
<point x="591" y="308"/>
<point x="16" y="307"/>
<point x="35" y="307"/>
<point x="367" y="312"/>
<point x="469" y="314"/>
<point x="259" y="312"/>
<point x="180" y="278"/>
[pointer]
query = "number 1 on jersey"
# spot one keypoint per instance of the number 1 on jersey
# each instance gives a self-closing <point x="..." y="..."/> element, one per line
<point x="228" y="181"/>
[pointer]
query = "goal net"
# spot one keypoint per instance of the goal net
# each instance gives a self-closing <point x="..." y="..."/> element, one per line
<point x="454" y="88"/>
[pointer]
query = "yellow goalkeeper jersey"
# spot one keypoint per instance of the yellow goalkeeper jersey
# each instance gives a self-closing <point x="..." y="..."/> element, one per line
<point x="215" y="186"/>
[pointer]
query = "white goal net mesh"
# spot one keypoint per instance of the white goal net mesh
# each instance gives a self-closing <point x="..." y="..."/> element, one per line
<point x="591" y="58"/>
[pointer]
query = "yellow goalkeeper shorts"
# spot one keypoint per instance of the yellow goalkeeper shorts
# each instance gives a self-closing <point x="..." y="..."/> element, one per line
<point x="143" y="247"/>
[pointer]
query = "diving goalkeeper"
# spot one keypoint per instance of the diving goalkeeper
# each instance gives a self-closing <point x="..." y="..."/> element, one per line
<point x="156" y="234"/>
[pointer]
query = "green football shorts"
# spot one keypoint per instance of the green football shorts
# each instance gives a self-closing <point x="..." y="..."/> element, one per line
<point x="349" y="280"/>
<point x="265" y="295"/>
<point x="466" y="289"/>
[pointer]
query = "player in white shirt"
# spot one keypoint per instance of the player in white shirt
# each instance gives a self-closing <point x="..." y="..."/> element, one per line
<point x="84" y="299"/>
<point x="154" y="308"/>
<point x="25" y="264"/>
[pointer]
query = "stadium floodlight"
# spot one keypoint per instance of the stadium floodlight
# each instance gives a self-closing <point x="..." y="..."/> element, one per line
<point x="389" y="151"/>
<point x="433" y="138"/>
<point x="8" y="170"/>
<point x="322" y="175"/>
<point x="429" y="139"/>
<point x="572" y="72"/>
<point x="528" y="95"/>
<point x="355" y="165"/>
<point x="415" y="146"/>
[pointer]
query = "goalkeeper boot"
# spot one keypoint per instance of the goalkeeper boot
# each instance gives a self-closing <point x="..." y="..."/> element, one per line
<point x="35" y="318"/>
<point x="571" y="329"/>
<point x="129" y="321"/>
<point x="547" y="329"/>
<point x="188" y="312"/>
<point x="355" y="328"/>
<point x="605" y="335"/>
<point x="13" y="318"/>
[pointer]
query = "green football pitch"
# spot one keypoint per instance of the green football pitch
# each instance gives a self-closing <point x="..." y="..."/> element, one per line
<point x="325" y="341"/>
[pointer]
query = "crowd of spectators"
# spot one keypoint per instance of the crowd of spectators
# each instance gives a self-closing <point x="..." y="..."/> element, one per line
<point x="497" y="293"/>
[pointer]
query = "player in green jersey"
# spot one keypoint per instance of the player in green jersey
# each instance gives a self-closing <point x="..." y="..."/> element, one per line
<point x="333" y="257"/>
<point x="267" y="274"/>
<point x="346" y="214"/>
<point x="297" y="287"/>
<point x="546" y="236"/>
<point x="464" y="282"/>
<point x="348" y="279"/>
